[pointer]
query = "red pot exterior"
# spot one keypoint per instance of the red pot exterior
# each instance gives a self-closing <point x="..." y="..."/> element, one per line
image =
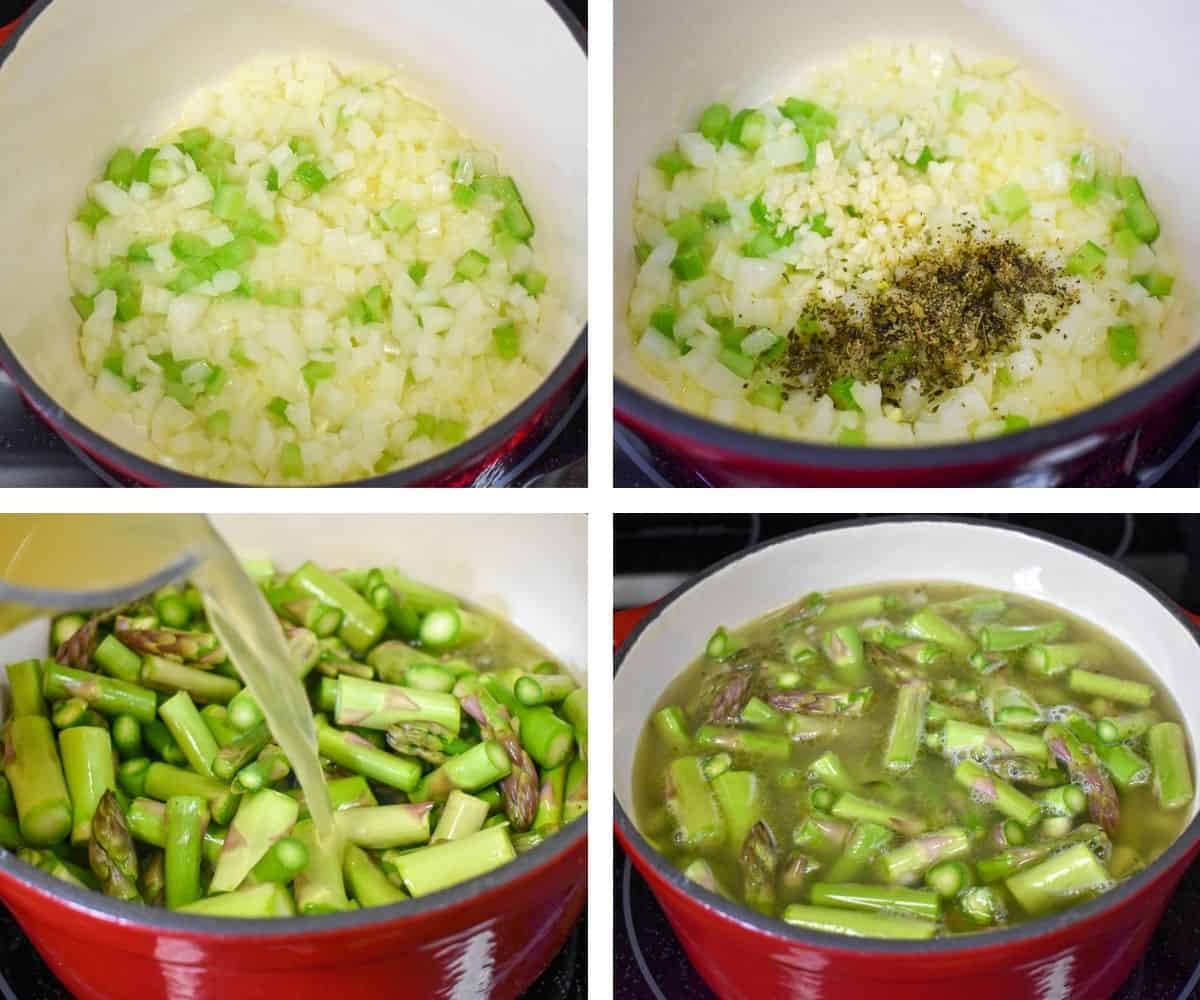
<point x="480" y="465"/>
<point x="1102" y="445"/>
<point x="1083" y="960"/>
<point x="490" y="945"/>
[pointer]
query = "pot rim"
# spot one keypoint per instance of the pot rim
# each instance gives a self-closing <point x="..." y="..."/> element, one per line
<point x="148" y="470"/>
<point x="632" y="405"/>
<point x="96" y="905"/>
<point x="719" y="907"/>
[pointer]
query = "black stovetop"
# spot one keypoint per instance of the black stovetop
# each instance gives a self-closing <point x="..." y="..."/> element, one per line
<point x="656" y="551"/>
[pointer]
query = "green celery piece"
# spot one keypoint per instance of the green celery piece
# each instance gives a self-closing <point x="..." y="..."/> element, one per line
<point x="463" y="196"/>
<point x="714" y="123"/>
<point x="1123" y="344"/>
<point x="375" y="301"/>
<point x="663" y="320"/>
<point x="141" y="170"/>
<point x="715" y="211"/>
<point x="356" y="312"/>
<point x="517" y="221"/>
<point x="508" y="344"/>
<point x="672" y="164"/>
<point x="232" y="255"/>
<point x="450" y="431"/>
<point x="291" y="465"/>
<point x="800" y="111"/>
<point x="642" y="251"/>
<point x="122" y="167"/>
<point x="1157" y="283"/>
<point x="302" y="145"/>
<point x="114" y="362"/>
<point x="220" y="151"/>
<point x="1084" y="192"/>
<point x="417" y="271"/>
<point x="688" y="266"/>
<point x="229" y="203"/>
<point x="272" y="178"/>
<point x="842" y="396"/>
<point x="84" y="305"/>
<point x="1011" y="201"/>
<point x="193" y="140"/>
<point x="471" y="266"/>
<point x="218" y="423"/>
<point x="216" y="381"/>
<point x="763" y="245"/>
<point x="189" y="246"/>
<point x="817" y="224"/>
<point x="687" y="230"/>
<point x="748" y="129"/>
<point x="91" y="214"/>
<point x="767" y="395"/>
<point x="138" y="251"/>
<point x="854" y="437"/>
<point x="1014" y="422"/>
<point x="311" y="176"/>
<point x="399" y="217"/>
<point x="924" y="160"/>
<point x="426" y="425"/>
<point x="1086" y="260"/>
<point x="277" y="411"/>
<point x="534" y="282"/>
<point x="736" y="362"/>
<point x="1142" y="221"/>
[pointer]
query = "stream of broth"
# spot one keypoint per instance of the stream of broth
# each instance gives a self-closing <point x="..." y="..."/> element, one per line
<point x="96" y="551"/>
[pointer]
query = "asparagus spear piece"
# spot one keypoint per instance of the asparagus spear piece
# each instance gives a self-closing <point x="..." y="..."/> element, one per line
<point x="111" y="853"/>
<point x="843" y="647"/>
<point x="982" y="905"/>
<point x="576" y="802"/>
<point x="203" y="685"/>
<point x="430" y="869"/>
<point x="690" y="800"/>
<point x="25" y="688"/>
<point x="200" y="648"/>
<point x="368" y="885"/>
<point x="192" y="736"/>
<point x="850" y="704"/>
<point x="550" y="801"/>
<point x="908" y="862"/>
<point x="479" y="767"/>
<point x="107" y="695"/>
<point x="932" y="627"/>
<point x="33" y="768"/>
<point x="152" y="879"/>
<point x="874" y="898"/>
<point x="186" y="816"/>
<point x="700" y="872"/>
<point x="908" y="725"/>
<point x="1082" y="765"/>
<point x="1059" y="881"/>
<point x="985" y="787"/>
<point x="1169" y="757"/>
<point x="147" y="820"/>
<point x="269" y="768"/>
<point x="381" y="827"/>
<point x="575" y="711"/>
<point x="240" y="751"/>
<point x="1113" y="688"/>
<point x="284" y="860"/>
<point x="430" y="742"/>
<point x="451" y="628"/>
<point x="760" y="866"/>
<point x="319" y="888"/>
<point x="256" y="901"/>
<point x="852" y="923"/>
<point x="162" y="782"/>
<point x="742" y="801"/>
<point x="1055" y="659"/>
<point x="1009" y="637"/>
<point x="87" y="757"/>
<point x="261" y="820"/>
<point x="362" y="625"/>
<point x="463" y="815"/>
<point x="548" y="689"/>
<point x="1015" y="859"/>
<point x="118" y="660"/>
<point x="855" y="807"/>
<point x="741" y="741"/>
<point x="356" y="754"/>
<point x="371" y="705"/>
<point x="864" y="843"/>
<point x="520" y="788"/>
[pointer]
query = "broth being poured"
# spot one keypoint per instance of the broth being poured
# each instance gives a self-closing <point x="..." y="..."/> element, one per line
<point x="152" y="755"/>
<point x="912" y="760"/>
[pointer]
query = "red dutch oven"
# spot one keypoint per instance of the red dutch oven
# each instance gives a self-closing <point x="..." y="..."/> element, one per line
<point x="490" y="937"/>
<point x="1084" y="953"/>
<point x="1142" y="111"/>
<point x="64" y="108"/>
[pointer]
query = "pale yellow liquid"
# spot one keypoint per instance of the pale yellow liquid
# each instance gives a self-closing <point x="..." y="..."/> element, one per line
<point x="95" y="551"/>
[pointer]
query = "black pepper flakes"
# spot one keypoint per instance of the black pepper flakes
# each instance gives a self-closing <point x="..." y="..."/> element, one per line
<point x="946" y="313"/>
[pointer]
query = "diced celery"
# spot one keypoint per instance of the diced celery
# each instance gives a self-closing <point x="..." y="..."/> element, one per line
<point x="842" y="395"/>
<point x="517" y="221"/>
<point x="232" y="255"/>
<point x="277" y="411"/>
<point x="1122" y="344"/>
<point x="534" y="282"/>
<point x="508" y="344"/>
<point x="1125" y="242"/>
<point x="316" y="371"/>
<point x="688" y="266"/>
<point x="91" y="214"/>
<point x="663" y="320"/>
<point x="1157" y="283"/>
<point x="229" y="203"/>
<point x="1086" y="260"/>
<point x="1011" y="201"/>
<point x="672" y="163"/>
<point x="716" y="211"/>
<point x="852" y="436"/>
<point x="687" y="230"/>
<point x="642" y="251"/>
<point x="399" y="217"/>
<point x="471" y="265"/>
<point x="450" y="431"/>
<point x="84" y="305"/>
<point x="748" y="129"/>
<point x="768" y="395"/>
<point x="463" y="195"/>
<point x="1084" y="192"/>
<point x="817" y="224"/>
<point x="139" y="250"/>
<point x="375" y="302"/>
<point x="736" y="362"/>
<point x="114" y="363"/>
<point x="121" y="167"/>
<point x="714" y="123"/>
<point x="272" y="178"/>
<point x="302" y="145"/>
<point x="141" y="171"/>
<point x="1014" y="422"/>
<point x="417" y="271"/>
<point x="189" y="246"/>
<point x="218" y="423"/>
<point x="311" y="176"/>
<point x="193" y="140"/>
<point x="763" y="245"/>
<point x="1142" y="221"/>
<point x="291" y="464"/>
<point x="426" y="425"/>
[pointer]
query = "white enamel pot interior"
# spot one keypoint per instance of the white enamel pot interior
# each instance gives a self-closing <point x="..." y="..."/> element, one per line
<point x="988" y="556"/>
<point x="86" y="76"/>
<point x="675" y="57"/>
